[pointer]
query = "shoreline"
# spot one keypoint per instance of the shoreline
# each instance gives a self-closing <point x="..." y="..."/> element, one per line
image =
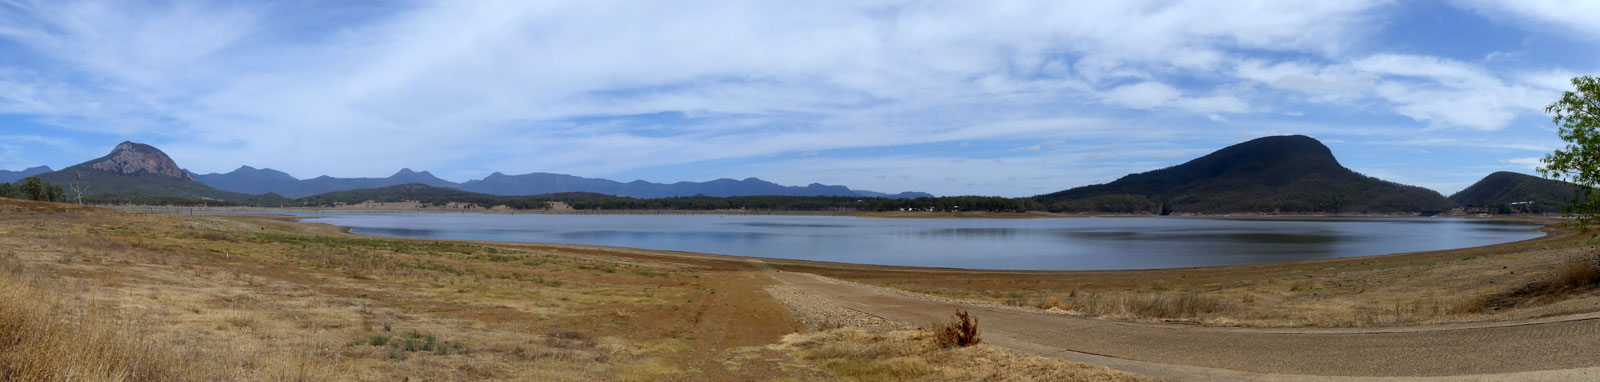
<point x="1445" y="286"/>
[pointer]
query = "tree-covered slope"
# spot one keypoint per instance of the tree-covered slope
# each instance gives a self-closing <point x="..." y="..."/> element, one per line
<point x="1503" y="188"/>
<point x="1272" y="174"/>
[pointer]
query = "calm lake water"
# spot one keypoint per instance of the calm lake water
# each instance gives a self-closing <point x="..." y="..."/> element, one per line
<point x="1039" y="244"/>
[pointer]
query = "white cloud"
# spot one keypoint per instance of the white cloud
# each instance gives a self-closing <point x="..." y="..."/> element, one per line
<point x="1574" y="15"/>
<point x="1441" y="92"/>
<point x="1325" y="83"/>
<point x="1143" y="95"/>
<point x="1152" y="95"/>
<point x="1529" y="163"/>
<point x="1214" y="104"/>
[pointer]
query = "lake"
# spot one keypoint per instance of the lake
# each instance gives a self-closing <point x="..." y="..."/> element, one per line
<point x="1031" y="244"/>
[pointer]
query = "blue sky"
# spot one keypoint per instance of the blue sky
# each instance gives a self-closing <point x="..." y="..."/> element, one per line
<point x="1007" y="98"/>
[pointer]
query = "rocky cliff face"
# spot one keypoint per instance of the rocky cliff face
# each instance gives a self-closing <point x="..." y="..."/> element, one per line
<point x="139" y="159"/>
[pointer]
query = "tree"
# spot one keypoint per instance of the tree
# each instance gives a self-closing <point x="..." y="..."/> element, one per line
<point x="33" y="188"/>
<point x="78" y="187"/>
<point x="1578" y="114"/>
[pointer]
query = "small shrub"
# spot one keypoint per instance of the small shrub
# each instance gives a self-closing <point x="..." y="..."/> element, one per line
<point x="960" y="332"/>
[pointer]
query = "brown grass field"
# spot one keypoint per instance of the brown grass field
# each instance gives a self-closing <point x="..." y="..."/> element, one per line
<point x="93" y="294"/>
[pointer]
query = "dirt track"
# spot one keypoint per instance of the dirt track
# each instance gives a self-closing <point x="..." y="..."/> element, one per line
<point x="1553" y="349"/>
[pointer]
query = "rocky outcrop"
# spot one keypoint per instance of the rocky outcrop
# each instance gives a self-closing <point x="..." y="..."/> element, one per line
<point x="139" y="159"/>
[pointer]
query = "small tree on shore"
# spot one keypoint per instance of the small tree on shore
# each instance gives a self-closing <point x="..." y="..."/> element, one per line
<point x="1578" y="114"/>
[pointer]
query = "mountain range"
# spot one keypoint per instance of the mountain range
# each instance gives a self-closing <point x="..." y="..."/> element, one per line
<point x="134" y="168"/>
<point x="545" y="183"/>
<point x="8" y="176"/>
<point x="250" y="180"/>
<point x="1293" y="173"/>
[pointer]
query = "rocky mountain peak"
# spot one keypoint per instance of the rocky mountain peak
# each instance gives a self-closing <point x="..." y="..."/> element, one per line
<point x="139" y="159"/>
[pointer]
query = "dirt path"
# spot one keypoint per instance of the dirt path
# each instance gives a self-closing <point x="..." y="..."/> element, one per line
<point x="1567" y="349"/>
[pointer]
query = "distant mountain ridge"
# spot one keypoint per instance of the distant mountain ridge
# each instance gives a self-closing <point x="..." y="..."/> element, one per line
<point x="547" y="183"/>
<point x="1500" y="189"/>
<point x="8" y="176"/>
<point x="1292" y="173"/>
<point x="250" y="180"/>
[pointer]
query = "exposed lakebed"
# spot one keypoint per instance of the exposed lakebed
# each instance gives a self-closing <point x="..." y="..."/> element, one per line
<point x="1027" y="244"/>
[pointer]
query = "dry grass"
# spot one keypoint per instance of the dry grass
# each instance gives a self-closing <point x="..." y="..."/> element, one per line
<point x="42" y="338"/>
<point x="1164" y="305"/>
<point x="1577" y="273"/>
<point x="88" y="294"/>
<point x="915" y="355"/>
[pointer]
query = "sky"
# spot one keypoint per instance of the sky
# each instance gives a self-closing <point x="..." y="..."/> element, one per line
<point x="1009" y="98"/>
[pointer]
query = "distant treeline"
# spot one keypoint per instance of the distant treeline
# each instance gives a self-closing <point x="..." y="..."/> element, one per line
<point x="805" y="203"/>
<point x="33" y="189"/>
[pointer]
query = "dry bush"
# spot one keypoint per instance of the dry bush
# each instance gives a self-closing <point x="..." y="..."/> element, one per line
<point x="959" y="332"/>
<point x="1054" y="302"/>
<point x="1577" y="273"/>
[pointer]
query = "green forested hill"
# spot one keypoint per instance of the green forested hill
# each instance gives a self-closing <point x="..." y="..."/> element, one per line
<point x="1273" y="174"/>
<point x="1500" y="189"/>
